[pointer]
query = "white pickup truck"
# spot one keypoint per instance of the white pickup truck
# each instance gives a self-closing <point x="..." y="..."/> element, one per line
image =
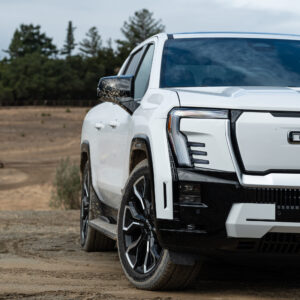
<point x="194" y="150"/>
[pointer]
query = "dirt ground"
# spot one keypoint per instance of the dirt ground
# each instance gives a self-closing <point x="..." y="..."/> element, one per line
<point x="40" y="258"/>
<point x="32" y="141"/>
<point x="40" y="255"/>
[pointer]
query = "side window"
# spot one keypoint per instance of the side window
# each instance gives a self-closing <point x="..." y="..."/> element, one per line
<point x="143" y="75"/>
<point x="133" y="63"/>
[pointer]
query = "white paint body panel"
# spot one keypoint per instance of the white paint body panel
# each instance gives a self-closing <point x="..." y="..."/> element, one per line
<point x="238" y="224"/>
<point x="213" y="134"/>
<point x="263" y="142"/>
<point x="274" y="180"/>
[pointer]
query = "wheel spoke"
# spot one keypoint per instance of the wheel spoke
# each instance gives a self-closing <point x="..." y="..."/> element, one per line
<point x="85" y="188"/>
<point x="131" y="247"/>
<point x="85" y="223"/>
<point x="147" y="262"/>
<point x="134" y="213"/>
<point x="133" y="224"/>
<point x="154" y="249"/>
<point x="137" y="193"/>
<point x="151" y="256"/>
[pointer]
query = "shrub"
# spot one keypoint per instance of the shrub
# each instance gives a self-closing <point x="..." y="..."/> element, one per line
<point x="67" y="186"/>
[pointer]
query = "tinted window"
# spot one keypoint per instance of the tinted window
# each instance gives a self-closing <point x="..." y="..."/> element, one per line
<point x="230" y="62"/>
<point x="143" y="76"/>
<point x="134" y="61"/>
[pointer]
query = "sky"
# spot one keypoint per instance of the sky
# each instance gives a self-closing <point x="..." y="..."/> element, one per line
<point x="278" y="16"/>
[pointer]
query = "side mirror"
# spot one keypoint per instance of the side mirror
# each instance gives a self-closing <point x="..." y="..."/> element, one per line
<point x="118" y="90"/>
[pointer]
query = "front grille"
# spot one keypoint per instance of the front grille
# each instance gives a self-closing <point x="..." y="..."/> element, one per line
<point x="272" y="243"/>
<point x="283" y="198"/>
<point x="287" y="202"/>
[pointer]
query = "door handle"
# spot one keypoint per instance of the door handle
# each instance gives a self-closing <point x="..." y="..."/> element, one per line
<point x="99" y="126"/>
<point x="113" y="124"/>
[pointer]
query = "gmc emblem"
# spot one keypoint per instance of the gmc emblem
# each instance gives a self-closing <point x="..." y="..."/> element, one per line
<point x="294" y="137"/>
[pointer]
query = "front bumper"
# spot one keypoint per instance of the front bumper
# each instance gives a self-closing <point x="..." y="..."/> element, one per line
<point x="228" y="217"/>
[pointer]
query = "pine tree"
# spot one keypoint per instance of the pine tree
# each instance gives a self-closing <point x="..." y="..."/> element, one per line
<point x="91" y="45"/>
<point x="69" y="45"/>
<point x="138" y="28"/>
<point x="28" y="39"/>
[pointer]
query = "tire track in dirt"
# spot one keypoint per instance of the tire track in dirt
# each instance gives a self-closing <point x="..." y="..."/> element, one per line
<point x="40" y="258"/>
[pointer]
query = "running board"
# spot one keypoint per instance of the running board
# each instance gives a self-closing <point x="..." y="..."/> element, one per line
<point x="104" y="227"/>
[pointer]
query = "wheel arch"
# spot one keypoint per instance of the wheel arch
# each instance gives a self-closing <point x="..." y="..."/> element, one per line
<point x="140" y="149"/>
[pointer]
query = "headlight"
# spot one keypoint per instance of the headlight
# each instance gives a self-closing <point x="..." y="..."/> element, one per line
<point x="177" y="139"/>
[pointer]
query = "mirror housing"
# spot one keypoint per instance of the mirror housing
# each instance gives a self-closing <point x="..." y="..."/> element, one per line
<point x="118" y="90"/>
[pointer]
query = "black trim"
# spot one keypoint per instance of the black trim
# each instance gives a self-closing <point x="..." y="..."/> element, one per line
<point x="290" y="137"/>
<point x="281" y="171"/>
<point x="145" y="49"/>
<point x="207" y="177"/>
<point x="234" y="116"/>
<point x="165" y="195"/>
<point x="194" y="144"/>
<point x="202" y="153"/>
<point x="130" y="59"/>
<point x="170" y="36"/>
<point x="283" y="114"/>
<point x="260" y="220"/>
<point x="84" y="148"/>
<point x="200" y="161"/>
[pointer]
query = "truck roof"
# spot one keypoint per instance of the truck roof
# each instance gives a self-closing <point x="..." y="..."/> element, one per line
<point x="234" y="34"/>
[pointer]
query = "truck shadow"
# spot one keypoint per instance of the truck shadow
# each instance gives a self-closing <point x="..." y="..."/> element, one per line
<point x="249" y="280"/>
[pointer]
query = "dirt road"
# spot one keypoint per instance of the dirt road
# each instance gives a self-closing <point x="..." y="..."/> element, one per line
<point x="40" y="258"/>
<point x="33" y="140"/>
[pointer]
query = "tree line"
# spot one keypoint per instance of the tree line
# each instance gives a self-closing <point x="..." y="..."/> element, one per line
<point x="36" y="72"/>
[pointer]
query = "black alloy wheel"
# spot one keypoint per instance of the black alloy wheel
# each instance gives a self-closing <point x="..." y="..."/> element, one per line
<point x="85" y="205"/>
<point x="142" y="249"/>
<point x="145" y="263"/>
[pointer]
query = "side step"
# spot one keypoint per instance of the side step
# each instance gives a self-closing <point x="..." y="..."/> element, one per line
<point x="104" y="227"/>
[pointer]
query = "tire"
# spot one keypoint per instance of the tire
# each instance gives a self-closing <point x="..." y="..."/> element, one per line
<point x="91" y="240"/>
<point x="152" y="269"/>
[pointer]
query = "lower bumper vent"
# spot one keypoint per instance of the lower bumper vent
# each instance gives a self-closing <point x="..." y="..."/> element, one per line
<point x="272" y="243"/>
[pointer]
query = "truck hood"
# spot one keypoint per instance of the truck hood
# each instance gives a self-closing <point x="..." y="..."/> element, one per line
<point x="245" y="98"/>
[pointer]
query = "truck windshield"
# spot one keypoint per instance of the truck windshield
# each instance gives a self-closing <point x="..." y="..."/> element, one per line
<point x="201" y="62"/>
